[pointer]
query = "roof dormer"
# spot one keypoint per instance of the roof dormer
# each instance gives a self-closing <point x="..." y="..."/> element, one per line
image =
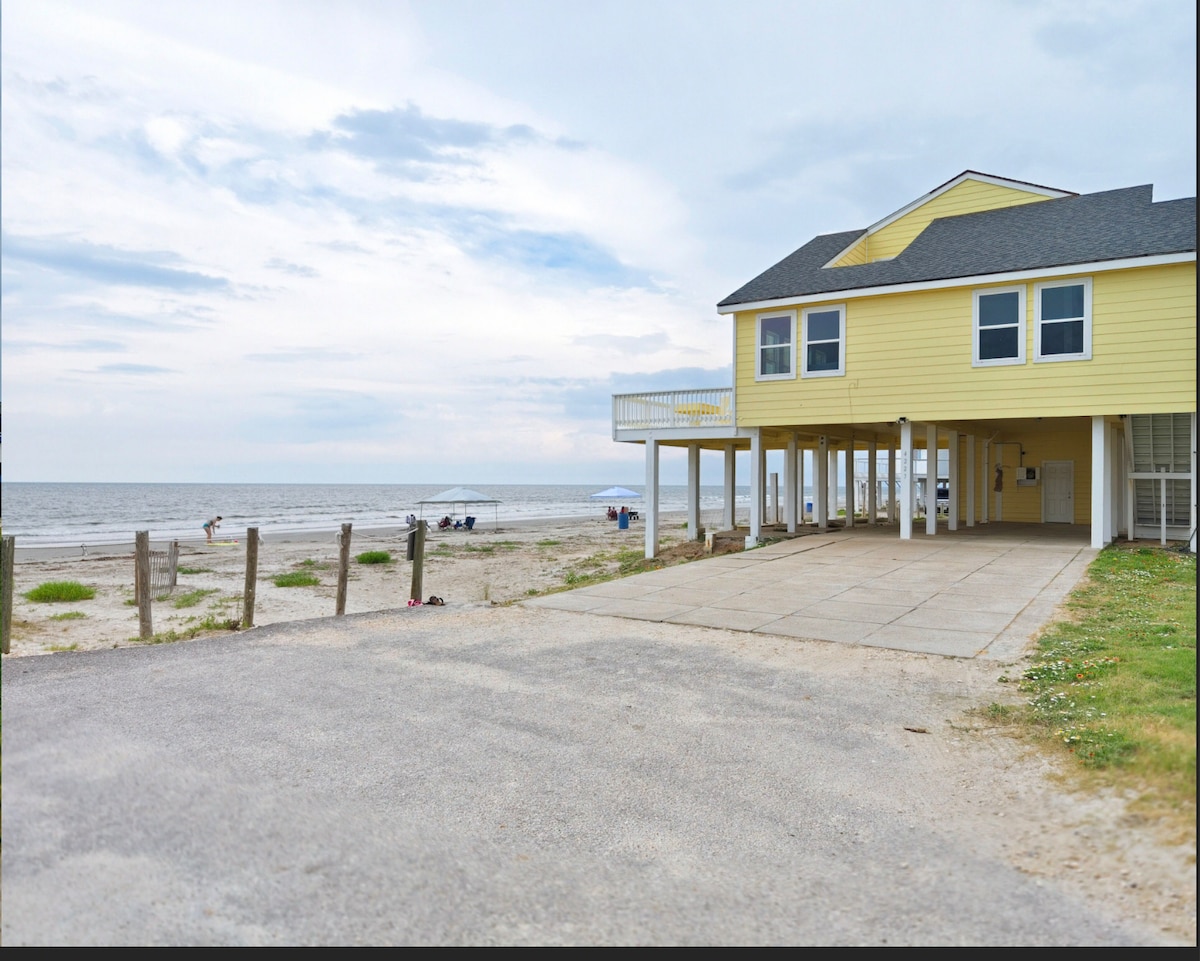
<point x="970" y="192"/>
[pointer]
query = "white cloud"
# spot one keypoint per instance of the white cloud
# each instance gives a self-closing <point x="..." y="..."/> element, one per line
<point x="388" y="235"/>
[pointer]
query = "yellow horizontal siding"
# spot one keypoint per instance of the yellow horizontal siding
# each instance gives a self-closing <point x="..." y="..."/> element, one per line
<point x="1024" y="504"/>
<point x="856" y="255"/>
<point x="910" y="354"/>
<point x="970" y="196"/>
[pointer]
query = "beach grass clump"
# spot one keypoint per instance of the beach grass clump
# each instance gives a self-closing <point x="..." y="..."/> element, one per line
<point x="296" y="579"/>
<point x="480" y="549"/>
<point x="207" y="625"/>
<point x="59" y="592"/>
<point x="374" y="557"/>
<point x="192" y="598"/>
<point x="68" y="616"/>
<point x="549" y="542"/>
<point x="194" y="570"/>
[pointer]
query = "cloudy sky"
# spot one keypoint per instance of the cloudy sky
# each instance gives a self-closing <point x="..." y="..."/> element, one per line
<point x="426" y="242"/>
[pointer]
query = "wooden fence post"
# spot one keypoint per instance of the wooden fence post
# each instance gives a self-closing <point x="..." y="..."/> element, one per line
<point x="141" y="587"/>
<point x="251" y="577"/>
<point x="8" y="551"/>
<point x="418" y="560"/>
<point x="343" y="568"/>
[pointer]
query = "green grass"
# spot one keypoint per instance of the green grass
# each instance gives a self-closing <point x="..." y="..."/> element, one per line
<point x="57" y="592"/>
<point x="374" y="557"/>
<point x="207" y="625"/>
<point x="68" y="616"/>
<point x="1114" y="683"/>
<point x="194" y="570"/>
<point x="549" y="542"/>
<point x="296" y="579"/>
<point x="192" y="598"/>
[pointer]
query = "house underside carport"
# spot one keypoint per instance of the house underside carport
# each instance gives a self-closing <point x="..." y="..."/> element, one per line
<point x="1121" y="475"/>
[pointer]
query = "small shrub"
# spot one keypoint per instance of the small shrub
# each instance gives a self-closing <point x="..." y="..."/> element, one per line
<point x="68" y="616"/>
<point x="296" y="579"/>
<point x="374" y="557"/>
<point x="55" y="592"/>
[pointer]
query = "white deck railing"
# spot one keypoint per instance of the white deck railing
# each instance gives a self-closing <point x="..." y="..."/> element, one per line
<point x="712" y="407"/>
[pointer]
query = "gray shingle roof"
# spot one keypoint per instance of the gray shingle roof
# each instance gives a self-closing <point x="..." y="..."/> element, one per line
<point x="1111" y="225"/>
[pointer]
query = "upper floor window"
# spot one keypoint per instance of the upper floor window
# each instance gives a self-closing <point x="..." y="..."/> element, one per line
<point x="998" y="328"/>
<point x="776" y="337"/>
<point x="1063" y="320"/>
<point x="824" y="341"/>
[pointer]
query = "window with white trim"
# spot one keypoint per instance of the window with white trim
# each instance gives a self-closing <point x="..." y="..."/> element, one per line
<point x="775" y="335"/>
<point x="1063" y="320"/>
<point x="998" y="326"/>
<point x="824" y="339"/>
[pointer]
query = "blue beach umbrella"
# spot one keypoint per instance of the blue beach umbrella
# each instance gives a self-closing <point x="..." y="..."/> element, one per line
<point x="617" y="493"/>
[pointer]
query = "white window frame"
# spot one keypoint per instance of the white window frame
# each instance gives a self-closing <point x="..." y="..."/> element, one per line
<point x="840" y="309"/>
<point x="976" y="360"/>
<point x="1086" y="353"/>
<point x="758" y="345"/>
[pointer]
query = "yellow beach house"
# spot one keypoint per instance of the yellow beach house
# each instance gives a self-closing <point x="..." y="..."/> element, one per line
<point x="1040" y="344"/>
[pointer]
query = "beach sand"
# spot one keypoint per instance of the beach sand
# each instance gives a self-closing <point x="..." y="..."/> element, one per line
<point x="496" y="563"/>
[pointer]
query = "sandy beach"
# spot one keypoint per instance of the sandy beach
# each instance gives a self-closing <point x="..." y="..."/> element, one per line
<point x="495" y="563"/>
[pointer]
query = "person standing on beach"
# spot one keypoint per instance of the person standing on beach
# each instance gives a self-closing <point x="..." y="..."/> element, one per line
<point x="210" y="526"/>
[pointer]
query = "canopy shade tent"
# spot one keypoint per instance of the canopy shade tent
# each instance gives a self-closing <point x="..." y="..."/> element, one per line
<point x="463" y="496"/>
<point x="617" y="493"/>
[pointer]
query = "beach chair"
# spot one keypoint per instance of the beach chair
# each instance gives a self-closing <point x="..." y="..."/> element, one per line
<point x="469" y="523"/>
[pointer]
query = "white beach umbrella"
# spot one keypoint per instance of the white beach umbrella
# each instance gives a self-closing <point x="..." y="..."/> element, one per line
<point x="617" y="493"/>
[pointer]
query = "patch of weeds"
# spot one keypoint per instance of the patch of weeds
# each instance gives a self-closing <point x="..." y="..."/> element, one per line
<point x="63" y="647"/>
<point x="506" y="545"/>
<point x="194" y="570"/>
<point x="480" y="549"/>
<point x="192" y="598"/>
<point x="58" y="592"/>
<point x="296" y="579"/>
<point x="374" y="557"/>
<point x="209" y="624"/>
<point x="549" y="542"/>
<point x="68" y="616"/>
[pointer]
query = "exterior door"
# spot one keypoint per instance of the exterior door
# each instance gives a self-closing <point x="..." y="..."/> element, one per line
<point x="1058" y="492"/>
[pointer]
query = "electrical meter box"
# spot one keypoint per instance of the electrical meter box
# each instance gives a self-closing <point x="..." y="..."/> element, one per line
<point x="1028" y="476"/>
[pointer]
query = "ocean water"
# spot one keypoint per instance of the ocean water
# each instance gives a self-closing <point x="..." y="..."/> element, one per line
<point x="70" y="515"/>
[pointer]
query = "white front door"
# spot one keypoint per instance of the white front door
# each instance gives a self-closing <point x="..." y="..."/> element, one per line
<point x="1058" y="491"/>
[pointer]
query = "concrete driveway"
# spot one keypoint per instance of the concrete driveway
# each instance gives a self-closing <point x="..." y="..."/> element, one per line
<point x="977" y="592"/>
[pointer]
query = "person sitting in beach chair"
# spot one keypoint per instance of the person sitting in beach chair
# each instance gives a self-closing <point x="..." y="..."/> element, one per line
<point x="469" y="523"/>
<point x="444" y="523"/>
<point x="612" y="513"/>
<point x="458" y="525"/>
